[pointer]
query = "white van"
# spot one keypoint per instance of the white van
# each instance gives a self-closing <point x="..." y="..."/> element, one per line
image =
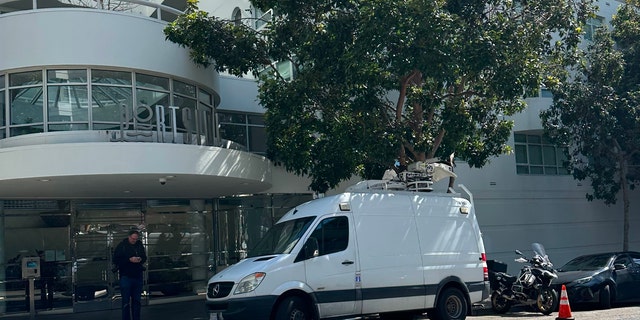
<point x="369" y="250"/>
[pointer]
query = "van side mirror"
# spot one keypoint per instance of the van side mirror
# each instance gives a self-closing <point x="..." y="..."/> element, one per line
<point x="311" y="248"/>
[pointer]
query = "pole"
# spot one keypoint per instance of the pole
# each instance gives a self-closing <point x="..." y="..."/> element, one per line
<point x="32" y="305"/>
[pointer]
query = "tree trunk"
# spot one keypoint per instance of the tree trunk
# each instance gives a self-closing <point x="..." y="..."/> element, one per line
<point x="625" y="204"/>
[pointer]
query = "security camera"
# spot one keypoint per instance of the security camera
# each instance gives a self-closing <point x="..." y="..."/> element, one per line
<point x="162" y="181"/>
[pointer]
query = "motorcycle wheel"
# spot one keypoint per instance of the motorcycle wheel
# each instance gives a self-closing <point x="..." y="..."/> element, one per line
<point x="547" y="301"/>
<point x="499" y="304"/>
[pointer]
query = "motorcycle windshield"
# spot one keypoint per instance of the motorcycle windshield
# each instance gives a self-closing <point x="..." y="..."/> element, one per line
<point x="538" y="249"/>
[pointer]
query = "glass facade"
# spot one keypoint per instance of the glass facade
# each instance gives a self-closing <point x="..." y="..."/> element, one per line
<point x="139" y="104"/>
<point x="3" y="122"/>
<point x="245" y="129"/>
<point x="187" y="241"/>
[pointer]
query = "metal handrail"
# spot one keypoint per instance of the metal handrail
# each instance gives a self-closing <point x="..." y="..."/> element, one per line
<point x="8" y="6"/>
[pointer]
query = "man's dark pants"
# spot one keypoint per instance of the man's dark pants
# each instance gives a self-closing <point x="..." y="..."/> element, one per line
<point x="131" y="290"/>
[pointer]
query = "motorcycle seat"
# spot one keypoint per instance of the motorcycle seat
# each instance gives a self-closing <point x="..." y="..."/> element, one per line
<point x="507" y="277"/>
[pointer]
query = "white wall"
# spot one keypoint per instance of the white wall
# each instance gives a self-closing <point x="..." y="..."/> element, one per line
<point x="82" y="37"/>
<point x="239" y="94"/>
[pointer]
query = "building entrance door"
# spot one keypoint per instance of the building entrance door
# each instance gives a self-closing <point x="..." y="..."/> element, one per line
<point x="96" y="233"/>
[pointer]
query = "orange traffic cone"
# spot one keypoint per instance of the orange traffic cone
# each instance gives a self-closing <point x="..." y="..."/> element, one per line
<point x="565" y="309"/>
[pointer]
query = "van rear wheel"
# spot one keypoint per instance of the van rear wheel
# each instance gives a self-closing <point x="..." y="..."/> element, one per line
<point x="451" y="305"/>
<point x="293" y="308"/>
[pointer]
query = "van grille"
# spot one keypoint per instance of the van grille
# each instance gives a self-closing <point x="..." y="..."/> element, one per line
<point x="219" y="289"/>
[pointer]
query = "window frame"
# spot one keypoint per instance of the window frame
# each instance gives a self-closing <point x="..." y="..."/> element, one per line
<point x="525" y="143"/>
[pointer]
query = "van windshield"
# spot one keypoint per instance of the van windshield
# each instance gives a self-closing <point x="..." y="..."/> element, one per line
<point x="281" y="238"/>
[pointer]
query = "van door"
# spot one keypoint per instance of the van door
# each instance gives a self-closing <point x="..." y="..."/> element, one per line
<point x="332" y="272"/>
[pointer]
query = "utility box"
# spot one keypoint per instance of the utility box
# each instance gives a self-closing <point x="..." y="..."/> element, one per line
<point x="30" y="267"/>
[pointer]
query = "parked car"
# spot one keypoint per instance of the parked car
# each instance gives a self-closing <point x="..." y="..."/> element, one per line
<point x="605" y="278"/>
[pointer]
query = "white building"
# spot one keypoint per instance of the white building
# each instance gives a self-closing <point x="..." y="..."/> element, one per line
<point x="105" y="126"/>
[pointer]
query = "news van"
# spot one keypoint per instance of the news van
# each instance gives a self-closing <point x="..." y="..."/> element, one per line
<point x="389" y="247"/>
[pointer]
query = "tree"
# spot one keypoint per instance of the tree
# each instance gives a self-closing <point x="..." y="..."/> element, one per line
<point x="596" y="113"/>
<point x="380" y="81"/>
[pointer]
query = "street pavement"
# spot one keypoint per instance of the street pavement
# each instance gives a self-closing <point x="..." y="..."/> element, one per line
<point x="625" y="312"/>
<point x="195" y="310"/>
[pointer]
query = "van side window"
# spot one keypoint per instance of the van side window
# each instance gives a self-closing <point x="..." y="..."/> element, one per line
<point x="332" y="235"/>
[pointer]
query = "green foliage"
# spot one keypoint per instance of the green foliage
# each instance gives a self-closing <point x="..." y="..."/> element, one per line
<point x="377" y="81"/>
<point x="597" y="112"/>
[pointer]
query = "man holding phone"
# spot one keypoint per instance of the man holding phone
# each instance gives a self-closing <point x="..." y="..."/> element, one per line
<point x="130" y="256"/>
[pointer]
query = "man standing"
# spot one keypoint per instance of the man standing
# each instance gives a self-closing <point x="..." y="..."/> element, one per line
<point x="130" y="257"/>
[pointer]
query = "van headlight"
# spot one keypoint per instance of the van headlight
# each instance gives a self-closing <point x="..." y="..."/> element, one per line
<point x="249" y="283"/>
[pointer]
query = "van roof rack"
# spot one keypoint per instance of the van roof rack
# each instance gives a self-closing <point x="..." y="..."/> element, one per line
<point x="419" y="176"/>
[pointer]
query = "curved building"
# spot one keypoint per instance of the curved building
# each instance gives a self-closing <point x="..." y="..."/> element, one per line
<point x="106" y="126"/>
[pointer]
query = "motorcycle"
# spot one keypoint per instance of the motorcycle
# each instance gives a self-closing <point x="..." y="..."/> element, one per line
<point x="532" y="287"/>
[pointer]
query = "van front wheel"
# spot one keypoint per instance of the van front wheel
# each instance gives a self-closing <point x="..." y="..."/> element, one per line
<point x="293" y="308"/>
<point x="451" y="306"/>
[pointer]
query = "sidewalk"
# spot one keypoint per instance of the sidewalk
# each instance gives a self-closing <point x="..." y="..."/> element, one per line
<point x="185" y="310"/>
<point x="192" y="309"/>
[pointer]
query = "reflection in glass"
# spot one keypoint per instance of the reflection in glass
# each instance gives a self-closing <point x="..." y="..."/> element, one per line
<point x="18" y="131"/>
<point x="535" y="154"/>
<point x="2" y="119"/>
<point x="204" y="97"/>
<point x="111" y="103"/>
<point x="234" y="133"/>
<point x="111" y="77"/>
<point x="232" y="117"/>
<point x="151" y="99"/>
<point x="67" y="76"/>
<point x="184" y="89"/>
<point x="257" y="140"/>
<point x="26" y="105"/>
<point x="256" y="119"/>
<point x="282" y="237"/>
<point x="242" y="221"/>
<point x="207" y="123"/>
<point x="186" y="115"/>
<point x="178" y="248"/>
<point x="152" y="82"/>
<point x="67" y="103"/>
<point x="108" y="102"/>
<point x="25" y="78"/>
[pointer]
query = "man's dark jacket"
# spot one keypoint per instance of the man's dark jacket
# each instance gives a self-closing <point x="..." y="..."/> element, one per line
<point x="121" y="256"/>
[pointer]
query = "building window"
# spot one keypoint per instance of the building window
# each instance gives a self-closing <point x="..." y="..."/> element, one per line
<point x="67" y="100"/>
<point x="26" y="101"/>
<point x="537" y="156"/>
<point x="236" y="17"/>
<point x="49" y="100"/>
<point x="591" y="26"/>
<point x="245" y="129"/>
<point x="2" y="107"/>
